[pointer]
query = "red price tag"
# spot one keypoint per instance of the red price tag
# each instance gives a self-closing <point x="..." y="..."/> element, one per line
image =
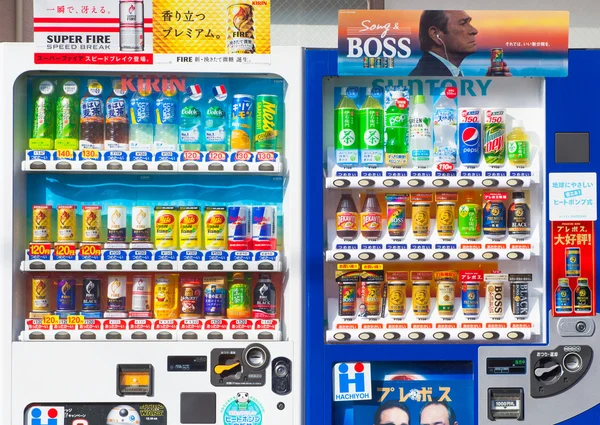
<point x="265" y="156"/>
<point x="191" y="155"/>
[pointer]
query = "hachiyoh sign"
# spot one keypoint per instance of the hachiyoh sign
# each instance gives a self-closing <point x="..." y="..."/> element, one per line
<point x="453" y="43"/>
<point x="138" y="31"/>
<point x="96" y="413"/>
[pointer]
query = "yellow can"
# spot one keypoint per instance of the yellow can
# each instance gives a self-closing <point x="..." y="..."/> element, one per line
<point x="420" y="220"/>
<point x="396" y="293"/>
<point x="445" y="298"/>
<point x="445" y="219"/>
<point x="165" y="227"/>
<point x="421" y="298"/>
<point x="240" y="29"/>
<point x="190" y="223"/>
<point x="215" y="228"/>
<point x="166" y="296"/>
<point x="66" y="223"/>
<point x="91" y="223"/>
<point x="42" y="220"/>
<point x="39" y="294"/>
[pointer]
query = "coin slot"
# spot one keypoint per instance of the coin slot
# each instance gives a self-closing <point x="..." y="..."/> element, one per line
<point x="573" y="362"/>
<point x="391" y="183"/>
<point x="341" y="183"/>
<point x="256" y="357"/>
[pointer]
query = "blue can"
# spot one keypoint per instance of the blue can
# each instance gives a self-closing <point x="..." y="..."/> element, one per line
<point x="215" y="297"/>
<point x="494" y="220"/>
<point x="264" y="234"/>
<point x="563" y="297"/>
<point x="65" y="294"/>
<point x="470" y="299"/>
<point x="573" y="267"/>
<point x="242" y="122"/>
<point x="469" y="136"/>
<point x="238" y="232"/>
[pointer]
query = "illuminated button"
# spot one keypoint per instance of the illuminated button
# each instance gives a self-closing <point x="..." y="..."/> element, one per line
<point x="341" y="336"/>
<point x="514" y="182"/>
<point x="490" y="335"/>
<point x="441" y="182"/>
<point x="365" y="256"/>
<point x="465" y="182"/>
<point x="390" y="336"/>
<point x="391" y="256"/>
<point x="391" y="183"/>
<point x="416" y="336"/>
<point x="366" y="336"/>
<point x="341" y="183"/>
<point x="415" y="182"/>
<point x="441" y="255"/>
<point x="366" y="183"/>
<point x="514" y="255"/>
<point x="490" y="182"/>
<point x="490" y="255"/>
<point x="465" y="255"/>
<point x="466" y="335"/>
<point x="514" y="335"/>
<point x="416" y="255"/>
<point x="440" y="336"/>
<point x="341" y="256"/>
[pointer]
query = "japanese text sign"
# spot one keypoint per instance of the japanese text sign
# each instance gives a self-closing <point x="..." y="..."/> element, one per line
<point x="437" y="43"/>
<point x="572" y="196"/>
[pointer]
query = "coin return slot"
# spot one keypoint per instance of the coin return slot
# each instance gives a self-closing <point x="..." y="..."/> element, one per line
<point x="134" y="380"/>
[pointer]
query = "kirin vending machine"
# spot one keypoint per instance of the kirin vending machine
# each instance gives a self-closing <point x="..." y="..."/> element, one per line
<point x="152" y="256"/>
<point x="454" y="259"/>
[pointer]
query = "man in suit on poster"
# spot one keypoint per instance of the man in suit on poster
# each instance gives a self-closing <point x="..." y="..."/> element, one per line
<point x="392" y="413"/>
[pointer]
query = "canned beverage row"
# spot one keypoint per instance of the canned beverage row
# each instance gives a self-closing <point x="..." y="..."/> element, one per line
<point x="232" y="227"/>
<point x="405" y="131"/>
<point x="378" y="294"/>
<point x="161" y="296"/>
<point x="146" y="120"/>
<point x="494" y="220"/>
<point x="378" y="62"/>
<point x="568" y="300"/>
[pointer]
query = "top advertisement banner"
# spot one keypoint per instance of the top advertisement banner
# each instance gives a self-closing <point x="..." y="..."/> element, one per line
<point x="142" y="32"/>
<point x="453" y="43"/>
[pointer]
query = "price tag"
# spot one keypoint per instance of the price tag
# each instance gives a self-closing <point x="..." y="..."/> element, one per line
<point x="90" y="250"/>
<point x="64" y="154"/>
<point x="39" y="249"/>
<point x="90" y="154"/>
<point x="75" y="320"/>
<point x="191" y="156"/>
<point x="67" y="250"/>
<point x="216" y="156"/>
<point x="266" y="156"/>
<point x="242" y="156"/>
<point x="51" y="319"/>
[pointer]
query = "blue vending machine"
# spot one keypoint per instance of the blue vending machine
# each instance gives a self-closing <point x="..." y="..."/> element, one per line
<point x="458" y="291"/>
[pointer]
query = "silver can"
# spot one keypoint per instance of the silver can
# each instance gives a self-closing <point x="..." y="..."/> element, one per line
<point x="494" y="299"/>
<point x="131" y="25"/>
<point x="141" y="296"/>
<point x="140" y="224"/>
<point x="116" y="224"/>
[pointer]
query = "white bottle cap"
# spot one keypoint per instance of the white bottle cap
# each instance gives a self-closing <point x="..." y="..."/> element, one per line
<point x="344" y="91"/>
<point x="518" y="124"/>
<point x="368" y="91"/>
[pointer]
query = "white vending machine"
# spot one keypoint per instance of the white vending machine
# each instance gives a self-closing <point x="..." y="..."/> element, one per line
<point x="153" y="249"/>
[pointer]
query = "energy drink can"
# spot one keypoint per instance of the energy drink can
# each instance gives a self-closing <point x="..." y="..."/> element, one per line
<point x="396" y="217"/>
<point x="131" y="25"/>
<point x="494" y="149"/>
<point x="39" y="295"/>
<point x="215" y="227"/>
<point x="141" y="294"/>
<point x="240" y="29"/>
<point x="445" y="298"/>
<point x="66" y="223"/>
<point x="563" y="297"/>
<point x="519" y="298"/>
<point x="445" y="219"/>
<point x="494" y="220"/>
<point x="117" y="293"/>
<point x="497" y="61"/>
<point x="166" y="297"/>
<point x="572" y="262"/>
<point x="583" y="296"/>
<point x="396" y="294"/>
<point x="91" y="294"/>
<point x="239" y="230"/>
<point x="65" y="294"/>
<point x="267" y="122"/>
<point x="495" y="299"/>
<point x="264" y="233"/>
<point x="140" y="224"/>
<point x="117" y="224"/>
<point x="242" y="122"/>
<point x="371" y="62"/>
<point x="191" y="299"/>
<point x="190" y="224"/>
<point x="42" y="220"/>
<point x="421" y="220"/>
<point x="215" y="297"/>
<point x="91" y="223"/>
<point x="165" y="227"/>
<point x="470" y="299"/>
<point x="421" y="298"/>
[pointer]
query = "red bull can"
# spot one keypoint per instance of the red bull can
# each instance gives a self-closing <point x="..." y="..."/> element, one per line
<point x="264" y="232"/>
<point x="469" y="136"/>
<point x="239" y="232"/>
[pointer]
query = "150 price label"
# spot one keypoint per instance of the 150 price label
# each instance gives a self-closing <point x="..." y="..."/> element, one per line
<point x="51" y="319"/>
<point x="75" y="320"/>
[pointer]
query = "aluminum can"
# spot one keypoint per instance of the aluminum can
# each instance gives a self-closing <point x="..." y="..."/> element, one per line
<point x="421" y="217"/>
<point x="141" y="294"/>
<point x="365" y="62"/>
<point x="421" y="298"/>
<point x="91" y="223"/>
<point x="215" y="297"/>
<point x="519" y="299"/>
<point x="497" y="61"/>
<point x="215" y="228"/>
<point x="371" y="62"/>
<point x="191" y="299"/>
<point x="190" y="225"/>
<point x="563" y="296"/>
<point x="445" y="219"/>
<point x="372" y="299"/>
<point x="117" y="293"/>
<point x="494" y="128"/>
<point x="239" y="232"/>
<point x="240" y="29"/>
<point x="42" y="221"/>
<point x="470" y="299"/>
<point x="140" y="224"/>
<point x="65" y="294"/>
<point x="39" y="294"/>
<point x="494" y="219"/>
<point x="242" y="122"/>
<point x="390" y="62"/>
<point x="131" y="25"/>
<point x="347" y="299"/>
<point x="91" y="294"/>
<point x="267" y="122"/>
<point x="166" y="297"/>
<point x="264" y="232"/>
<point x="396" y="297"/>
<point x="116" y="224"/>
<point x="572" y="262"/>
<point x="396" y="219"/>
<point x="494" y="295"/>
<point x="377" y="62"/>
<point x="469" y="136"/>
<point x="165" y="227"/>
<point x="445" y="298"/>
<point x="583" y="296"/>
<point x="66" y="223"/>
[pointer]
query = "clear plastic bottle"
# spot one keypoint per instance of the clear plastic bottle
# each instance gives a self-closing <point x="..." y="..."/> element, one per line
<point x="117" y="123"/>
<point x="346" y="125"/>
<point x="166" y="135"/>
<point x="444" y="128"/>
<point x="215" y="127"/>
<point x="190" y="123"/>
<point x="420" y="145"/>
<point x="371" y="131"/>
<point x="141" y="128"/>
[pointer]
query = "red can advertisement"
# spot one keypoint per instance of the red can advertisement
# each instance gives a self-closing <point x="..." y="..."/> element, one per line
<point x="573" y="268"/>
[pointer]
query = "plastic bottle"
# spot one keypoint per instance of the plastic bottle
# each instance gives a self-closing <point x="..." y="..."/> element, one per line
<point x="346" y="221"/>
<point x="469" y="218"/>
<point x="67" y="117"/>
<point x="396" y="126"/>
<point x="346" y="127"/>
<point x="166" y="137"/>
<point x="371" y="218"/>
<point x="190" y="123"/>
<point x="519" y="217"/>
<point x="445" y="120"/>
<point x="91" y="129"/>
<point x="264" y="305"/>
<point x="215" y="127"/>
<point x="117" y="122"/>
<point x="518" y="145"/>
<point x="141" y="129"/>
<point x="420" y="144"/>
<point x="42" y="132"/>
<point x="239" y="306"/>
<point x="371" y="131"/>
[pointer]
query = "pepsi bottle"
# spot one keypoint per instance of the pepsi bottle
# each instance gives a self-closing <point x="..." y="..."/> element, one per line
<point x="469" y="136"/>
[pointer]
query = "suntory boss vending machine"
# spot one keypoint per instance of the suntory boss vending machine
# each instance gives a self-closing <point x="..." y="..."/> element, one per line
<point x="453" y="204"/>
<point x="153" y="205"/>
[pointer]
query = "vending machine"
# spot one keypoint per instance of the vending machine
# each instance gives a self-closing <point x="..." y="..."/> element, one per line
<point x="152" y="255"/>
<point x="450" y="244"/>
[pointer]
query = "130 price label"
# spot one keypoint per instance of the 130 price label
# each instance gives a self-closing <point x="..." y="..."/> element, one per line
<point x="90" y="154"/>
<point x="51" y="319"/>
<point x="265" y="156"/>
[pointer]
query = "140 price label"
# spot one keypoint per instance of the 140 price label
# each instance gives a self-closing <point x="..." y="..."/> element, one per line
<point x="64" y="154"/>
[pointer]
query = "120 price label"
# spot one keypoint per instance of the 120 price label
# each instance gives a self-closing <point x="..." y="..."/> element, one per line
<point x="64" y="250"/>
<point x="90" y="250"/>
<point x="76" y="320"/>
<point x="39" y="249"/>
<point x="50" y="319"/>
